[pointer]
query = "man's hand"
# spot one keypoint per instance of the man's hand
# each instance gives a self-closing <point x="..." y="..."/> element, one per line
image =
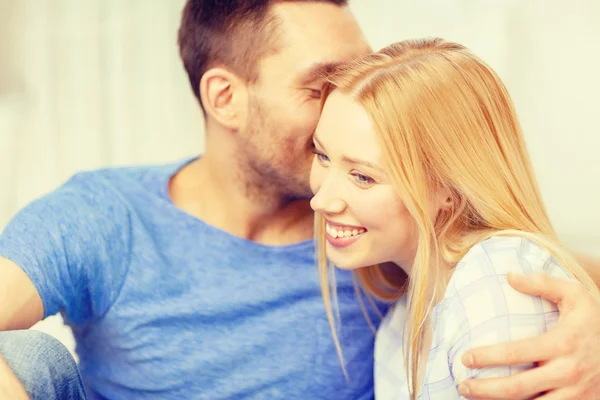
<point x="10" y="387"/>
<point x="568" y="355"/>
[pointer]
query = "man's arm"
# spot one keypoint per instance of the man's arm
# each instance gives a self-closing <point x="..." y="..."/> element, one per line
<point x="20" y="303"/>
<point x="20" y="308"/>
<point x="591" y="266"/>
<point x="568" y="356"/>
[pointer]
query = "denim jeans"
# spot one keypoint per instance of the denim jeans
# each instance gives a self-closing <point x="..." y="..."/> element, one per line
<point x="43" y="365"/>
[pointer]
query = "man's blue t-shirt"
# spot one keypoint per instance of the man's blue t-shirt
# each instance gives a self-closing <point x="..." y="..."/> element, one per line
<point x="165" y="306"/>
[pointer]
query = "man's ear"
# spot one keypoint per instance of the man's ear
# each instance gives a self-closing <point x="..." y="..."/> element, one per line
<point x="224" y="94"/>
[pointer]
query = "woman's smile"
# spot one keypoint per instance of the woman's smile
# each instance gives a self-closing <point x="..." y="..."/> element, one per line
<point x="340" y="235"/>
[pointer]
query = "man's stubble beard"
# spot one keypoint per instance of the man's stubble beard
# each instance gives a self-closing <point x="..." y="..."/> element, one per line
<point x="265" y="167"/>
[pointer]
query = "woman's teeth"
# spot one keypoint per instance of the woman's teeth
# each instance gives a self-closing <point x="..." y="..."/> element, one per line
<point x="339" y="232"/>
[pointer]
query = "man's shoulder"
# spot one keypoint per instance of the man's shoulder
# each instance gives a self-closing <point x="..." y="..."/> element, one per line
<point x="104" y="196"/>
<point x="126" y="176"/>
<point x="128" y="183"/>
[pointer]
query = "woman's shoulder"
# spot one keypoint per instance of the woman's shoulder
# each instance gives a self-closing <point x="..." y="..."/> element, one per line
<point x="497" y="256"/>
<point x="480" y="307"/>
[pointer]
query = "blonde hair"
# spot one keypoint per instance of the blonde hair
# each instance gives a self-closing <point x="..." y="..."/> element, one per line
<point x="445" y="120"/>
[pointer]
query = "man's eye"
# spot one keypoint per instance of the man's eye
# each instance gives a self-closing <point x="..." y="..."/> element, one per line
<point x="316" y="93"/>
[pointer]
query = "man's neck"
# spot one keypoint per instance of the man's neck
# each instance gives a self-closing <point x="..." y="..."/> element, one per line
<point x="213" y="191"/>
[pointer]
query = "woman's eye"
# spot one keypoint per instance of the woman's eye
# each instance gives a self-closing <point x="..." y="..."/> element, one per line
<point x="363" y="180"/>
<point x="322" y="157"/>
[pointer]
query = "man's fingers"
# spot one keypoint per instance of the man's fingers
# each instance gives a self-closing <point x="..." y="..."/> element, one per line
<point x="548" y="287"/>
<point x="524" y="351"/>
<point x="510" y="388"/>
<point x="519" y="386"/>
<point x="569" y="393"/>
<point x="483" y="389"/>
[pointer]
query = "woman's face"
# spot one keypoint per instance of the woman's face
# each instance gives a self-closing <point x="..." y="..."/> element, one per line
<point x="367" y="222"/>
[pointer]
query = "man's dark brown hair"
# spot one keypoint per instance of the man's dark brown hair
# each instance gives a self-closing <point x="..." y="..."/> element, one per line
<point x="232" y="33"/>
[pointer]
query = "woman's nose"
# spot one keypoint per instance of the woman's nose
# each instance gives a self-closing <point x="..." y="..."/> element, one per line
<point x="328" y="199"/>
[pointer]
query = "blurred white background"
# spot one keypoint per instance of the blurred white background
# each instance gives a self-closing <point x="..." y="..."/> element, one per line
<point x="87" y="83"/>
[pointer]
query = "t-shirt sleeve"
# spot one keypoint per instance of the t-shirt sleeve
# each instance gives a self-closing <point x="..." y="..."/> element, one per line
<point x="74" y="245"/>
<point x="481" y="308"/>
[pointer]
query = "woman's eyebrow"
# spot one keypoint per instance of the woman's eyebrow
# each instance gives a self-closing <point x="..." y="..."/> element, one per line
<point x="356" y="161"/>
<point x="350" y="160"/>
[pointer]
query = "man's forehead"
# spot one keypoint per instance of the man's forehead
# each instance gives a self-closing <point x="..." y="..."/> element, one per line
<point x="316" y="71"/>
<point x="318" y="32"/>
<point x="312" y="63"/>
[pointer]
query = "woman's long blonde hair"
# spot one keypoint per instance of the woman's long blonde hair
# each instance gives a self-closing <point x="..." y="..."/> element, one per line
<point x="445" y="120"/>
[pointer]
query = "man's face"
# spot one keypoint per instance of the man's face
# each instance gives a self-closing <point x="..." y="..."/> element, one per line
<point x="284" y="104"/>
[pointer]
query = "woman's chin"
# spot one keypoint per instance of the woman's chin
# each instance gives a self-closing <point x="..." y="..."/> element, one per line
<point x="347" y="265"/>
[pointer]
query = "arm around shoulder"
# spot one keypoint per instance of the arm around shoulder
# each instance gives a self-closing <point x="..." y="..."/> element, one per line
<point x="483" y="309"/>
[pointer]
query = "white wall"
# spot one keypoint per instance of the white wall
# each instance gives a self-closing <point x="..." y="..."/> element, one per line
<point x="548" y="54"/>
<point x="85" y="84"/>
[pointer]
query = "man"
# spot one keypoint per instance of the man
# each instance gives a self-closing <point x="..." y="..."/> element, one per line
<point x="197" y="280"/>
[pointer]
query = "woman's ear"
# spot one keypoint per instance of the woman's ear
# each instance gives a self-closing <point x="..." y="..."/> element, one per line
<point x="446" y="206"/>
<point x="222" y="94"/>
<point x="446" y="199"/>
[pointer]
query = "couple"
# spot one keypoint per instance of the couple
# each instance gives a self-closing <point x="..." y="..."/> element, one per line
<point x="197" y="280"/>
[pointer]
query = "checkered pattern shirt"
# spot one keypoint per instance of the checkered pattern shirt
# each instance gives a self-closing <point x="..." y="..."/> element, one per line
<point x="479" y="308"/>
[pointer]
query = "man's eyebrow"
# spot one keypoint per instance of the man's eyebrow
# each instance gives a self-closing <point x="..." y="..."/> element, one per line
<point x="317" y="71"/>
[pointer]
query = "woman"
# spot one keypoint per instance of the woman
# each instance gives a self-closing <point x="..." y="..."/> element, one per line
<point x="423" y="185"/>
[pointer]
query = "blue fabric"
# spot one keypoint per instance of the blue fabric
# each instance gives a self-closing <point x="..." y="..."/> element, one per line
<point x="164" y="306"/>
<point x="43" y="365"/>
